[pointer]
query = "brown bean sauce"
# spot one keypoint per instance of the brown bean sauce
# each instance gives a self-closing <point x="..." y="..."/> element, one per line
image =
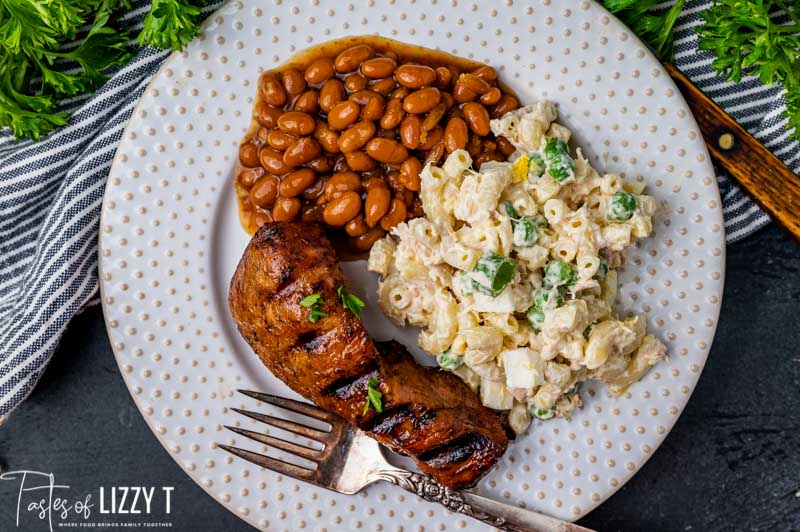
<point x="432" y="89"/>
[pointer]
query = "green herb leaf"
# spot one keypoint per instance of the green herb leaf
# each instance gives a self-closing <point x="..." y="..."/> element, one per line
<point x="373" y="396"/>
<point x="312" y="300"/>
<point x="758" y="38"/>
<point x="170" y="24"/>
<point x="656" y="29"/>
<point x="498" y="270"/>
<point x="350" y="301"/>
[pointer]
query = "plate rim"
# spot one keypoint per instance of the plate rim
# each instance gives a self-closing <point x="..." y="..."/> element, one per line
<point x="209" y="21"/>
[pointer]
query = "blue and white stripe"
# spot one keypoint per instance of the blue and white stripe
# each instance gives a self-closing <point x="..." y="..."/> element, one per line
<point x="51" y="194"/>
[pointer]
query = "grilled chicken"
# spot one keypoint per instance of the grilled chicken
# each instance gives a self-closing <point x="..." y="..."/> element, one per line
<point x="429" y="415"/>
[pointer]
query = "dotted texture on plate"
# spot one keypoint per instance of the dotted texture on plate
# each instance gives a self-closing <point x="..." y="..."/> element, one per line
<point x="170" y="240"/>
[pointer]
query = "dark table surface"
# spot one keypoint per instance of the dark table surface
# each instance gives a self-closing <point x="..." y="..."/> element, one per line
<point x="732" y="462"/>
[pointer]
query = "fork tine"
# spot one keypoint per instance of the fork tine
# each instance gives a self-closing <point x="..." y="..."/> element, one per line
<point x="283" y="445"/>
<point x="291" y="426"/>
<point x="274" y="464"/>
<point x="290" y="404"/>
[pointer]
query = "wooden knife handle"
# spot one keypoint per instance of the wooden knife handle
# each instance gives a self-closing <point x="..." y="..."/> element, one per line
<point x="770" y="182"/>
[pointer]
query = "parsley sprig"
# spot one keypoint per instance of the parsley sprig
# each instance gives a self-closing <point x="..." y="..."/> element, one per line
<point x="351" y="301"/>
<point x="315" y="303"/>
<point x="655" y="28"/>
<point x="757" y="38"/>
<point x="373" y="396"/>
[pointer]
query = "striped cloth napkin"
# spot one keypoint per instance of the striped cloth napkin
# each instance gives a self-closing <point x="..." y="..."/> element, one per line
<point x="51" y="193"/>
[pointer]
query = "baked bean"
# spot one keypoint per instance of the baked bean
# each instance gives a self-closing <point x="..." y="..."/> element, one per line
<point x="395" y="214"/>
<point x="422" y="100"/>
<point x="474" y="146"/>
<point x="399" y="93"/>
<point x="393" y="114"/>
<point x="489" y="145"/>
<point x="320" y="165"/>
<point x="505" y="147"/>
<point x="260" y="218"/>
<point x="434" y="155"/>
<point x="319" y="71"/>
<point x="386" y="133"/>
<point x="316" y="190"/>
<point x="261" y="135"/>
<point x="327" y="138"/>
<point x="444" y="77"/>
<point x="378" y="67"/>
<point x="409" y="173"/>
<point x="365" y="241"/>
<point x="356" y="226"/>
<point x="455" y="135"/>
<point x="348" y="60"/>
<point x="414" y="76"/>
<point x="486" y="73"/>
<point x="293" y="81"/>
<point x="474" y="84"/>
<point x="431" y="138"/>
<point x="342" y="209"/>
<point x="343" y="114"/>
<point x="355" y="82"/>
<point x="373" y="104"/>
<point x="311" y="213"/>
<point x="391" y="54"/>
<point x="279" y="140"/>
<point x="341" y="182"/>
<point x="411" y="131"/>
<point x="331" y="93"/>
<point x="294" y="183"/>
<point x="264" y="191"/>
<point x="267" y="115"/>
<point x="248" y="154"/>
<point x="477" y="118"/>
<point x="297" y="123"/>
<point x="273" y="91"/>
<point x="272" y="161"/>
<point x="286" y="209"/>
<point x="485" y="157"/>
<point x="433" y="117"/>
<point x="462" y="93"/>
<point x="247" y="176"/>
<point x="355" y="137"/>
<point x="448" y="100"/>
<point x="387" y="151"/>
<point x="491" y="97"/>
<point x="506" y="104"/>
<point x="308" y="102"/>
<point x="384" y="86"/>
<point x="302" y="151"/>
<point x="359" y="161"/>
<point x="376" y="204"/>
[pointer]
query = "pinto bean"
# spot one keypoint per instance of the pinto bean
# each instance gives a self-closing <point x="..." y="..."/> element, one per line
<point x="395" y="214"/>
<point x="365" y="241"/>
<point x="422" y="100"/>
<point x="273" y="90"/>
<point x="384" y="86"/>
<point x="506" y="104"/>
<point x="342" y="209"/>
<point x="301" y="152"/>
<point x="294" y="183"/>
<point x="350" y="59"/>
<point x="356" y="226"/>
<point x="376" y="203"/>
<point x="491" y="97"/>
<point x="355" y="82"/>
<point x="411" y="131"/>
<point x="286" y="209"/>
<point x="341" y="182"/>
<point x="297" y="123"/>
<point x="360" y="161"/>
<point x="293" y="81"/>
<point x="393" y="114"/>
<point x="378" y="67"/>
<point x="319" y="71"/>
<point x="477" y="118"/>
<point x="264" y="191"/>
<point x="387" y="151"/>
<point x="343" y="115"/>
<point x="455" y="135"/>
<point x="485" y="73"/>
<point x="355" y="137"/>
<point x="327" y="138"/>
<point x="248" y="154"/>
<point x="272" y="161"/>
<point x="279" y="140"/>
<point x="267" y="115"/>
<point x="308" y="102"/>
<point x="414" y="76"/>
<point x="331" y="93"/>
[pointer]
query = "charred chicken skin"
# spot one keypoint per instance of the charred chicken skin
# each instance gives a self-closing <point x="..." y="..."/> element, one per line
<point x="427" y="414"/>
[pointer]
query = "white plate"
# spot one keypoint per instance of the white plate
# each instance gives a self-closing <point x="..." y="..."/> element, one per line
<point x="170" y="240"/>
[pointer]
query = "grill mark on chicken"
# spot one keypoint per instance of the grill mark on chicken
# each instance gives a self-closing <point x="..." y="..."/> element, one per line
<point x="428" y="414"/>
<point x="454" y="451"/>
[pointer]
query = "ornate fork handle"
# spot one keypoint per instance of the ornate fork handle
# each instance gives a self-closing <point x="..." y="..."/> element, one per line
<point x="502" y="516"/>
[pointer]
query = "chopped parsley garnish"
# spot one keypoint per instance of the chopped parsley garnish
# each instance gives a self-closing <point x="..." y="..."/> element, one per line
<point x="373" y="396"/>
<point x="314" y="302"/>
<point x="351" y="301"/>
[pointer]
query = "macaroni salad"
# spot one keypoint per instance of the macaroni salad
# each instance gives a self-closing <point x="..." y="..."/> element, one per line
<point x="512" y="276"/>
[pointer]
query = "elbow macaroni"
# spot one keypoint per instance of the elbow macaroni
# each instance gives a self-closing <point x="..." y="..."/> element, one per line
<point x="527" y="345"/>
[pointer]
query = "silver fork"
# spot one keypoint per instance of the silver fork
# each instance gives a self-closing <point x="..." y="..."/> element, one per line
<point x="350" y="460"/>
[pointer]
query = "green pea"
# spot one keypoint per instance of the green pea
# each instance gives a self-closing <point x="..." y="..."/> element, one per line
<point x="525" y="234"/>
<point x="602" y="269"/>
<point x="621" y="207"/>
<point x="539" y="220"/>
<point x="535" y="318"/>
<point x="559" y="273"/>
<point x="560" y="165"/>
<point x="541" y="413"/>
<point x="499" y="271"/>
<point x="542" y="296"/>
<point x="536" y="165"/>
<point x="448" y="361"/>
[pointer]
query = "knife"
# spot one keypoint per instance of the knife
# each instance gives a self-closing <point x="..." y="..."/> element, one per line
<point x="768" y="181"/>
